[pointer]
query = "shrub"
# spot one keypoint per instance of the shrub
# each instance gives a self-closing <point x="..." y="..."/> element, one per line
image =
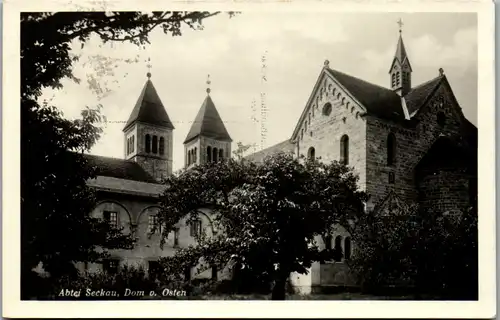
<point x="421" y="252"/>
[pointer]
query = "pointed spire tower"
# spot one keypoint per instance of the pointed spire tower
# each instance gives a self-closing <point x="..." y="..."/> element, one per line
<point x="208" y="139"/>
<point x="400" y="71"/>
<point x="149" y="133"/>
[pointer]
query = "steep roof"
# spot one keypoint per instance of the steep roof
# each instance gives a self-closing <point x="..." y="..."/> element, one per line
<point x="451" y="152"/>
<point x="149" y="108"/>
<point x="208" y="123"/>
<point x="128" y="187"/>
<point x="119" y="168"/>
<point x="285" y="146"/>
<point x="377" y="100"/>
<point x="418" y="95"/>
<point x="400" y="54"/>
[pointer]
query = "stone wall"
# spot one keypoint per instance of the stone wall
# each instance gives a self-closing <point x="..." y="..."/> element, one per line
<point x="155" y="164"/>
<point x="212" y="143"/>
<point x="412" y="143"/>
<point x="444" y="191"/>
<point x="330" y="115"/>
<point x="133" y="216"/>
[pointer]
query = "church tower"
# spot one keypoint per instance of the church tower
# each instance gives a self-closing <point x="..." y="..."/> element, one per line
<point x="208" y="139"/>
<point x="400" y="71"/>
<point x="149" y="133"/>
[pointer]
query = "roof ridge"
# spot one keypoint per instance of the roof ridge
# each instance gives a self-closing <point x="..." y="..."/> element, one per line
<point x="208" y="122"/>
<point x="359" y="79"/>
<point x="110" y="158"/>
<point x="149" y="108"/>
<point x="427" y="82"/>
<point x="272" y="146"/>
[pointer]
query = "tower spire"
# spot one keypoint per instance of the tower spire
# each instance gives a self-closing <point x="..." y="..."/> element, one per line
<point x="400" y="71"/>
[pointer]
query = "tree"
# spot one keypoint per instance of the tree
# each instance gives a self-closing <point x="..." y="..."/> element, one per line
<point x="55" y="200"/>
<point x="241" y="149"/>
<point x="267" y="217"/>
<point x="56" y="228"/>
<point x="429" y="252"/>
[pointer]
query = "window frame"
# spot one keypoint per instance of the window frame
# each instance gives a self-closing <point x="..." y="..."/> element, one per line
<point x="154" y="145"/>
<point x="195" y="228"/>
<point x="344" y="149"/>
<point x="147" y="143"/>
<point x="161" y="147"/>
<point x="176" y="236"/>
<point x="152" y="222"/>
<point x="111" y="217"/>
<point x="347" y="248"/>
<point x="311" y="153"/>
<point x="108" y="268"/>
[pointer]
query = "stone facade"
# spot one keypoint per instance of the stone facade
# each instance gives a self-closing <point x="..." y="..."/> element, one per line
<point x="201" y="146"/>
<point x="407" y="145"/>
<point x="136" y="216"/>
<point x="412" y="142"/>
<point x="331" y="115"/>
<point x="156" y="164"/>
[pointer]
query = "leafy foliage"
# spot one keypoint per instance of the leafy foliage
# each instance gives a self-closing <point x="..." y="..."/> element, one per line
<point x="55" y="200"/>
<point x="56" y="228"/>
<point x="429" y="252"/>
<point x="266" y="217"/>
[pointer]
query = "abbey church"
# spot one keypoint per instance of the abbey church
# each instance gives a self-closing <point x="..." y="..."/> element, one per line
<point x="407" y="142"/>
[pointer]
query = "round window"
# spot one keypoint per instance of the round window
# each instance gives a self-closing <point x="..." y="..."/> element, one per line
<point x="327" y="109"/>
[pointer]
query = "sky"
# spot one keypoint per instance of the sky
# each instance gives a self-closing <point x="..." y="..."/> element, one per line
<point x="295" y="46"/>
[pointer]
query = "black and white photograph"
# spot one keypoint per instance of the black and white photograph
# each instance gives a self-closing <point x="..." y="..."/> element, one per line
<point x="231" y="153"/>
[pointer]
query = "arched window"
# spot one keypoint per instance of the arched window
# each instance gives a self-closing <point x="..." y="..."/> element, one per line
<point x="338" y="242"/>
<point x="189" y="157"/>
<point x="148" y="143"/>
<point x="311" y="153"/>
<point x="393" y="79"/>
<point x="153" y="225"/>
<point x="214" y="156"/>
<point x="327" y="109"/>
<point x="338" y="248"/>
<point x="128" y="146"/>
<point x="209" y="154"/>
<point x="221" y="154"/>
<point x="195" y="228"/>
<point x="162" y="146"/>
<point x="155" y="145"/>
<point x="397" y="79"/>
<point x="391" y="149"/>
<point x="344" y="150"/>
<point x="328" y="242"/>
<point x="195" y="154"/>
<point x="347" y="248"/>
